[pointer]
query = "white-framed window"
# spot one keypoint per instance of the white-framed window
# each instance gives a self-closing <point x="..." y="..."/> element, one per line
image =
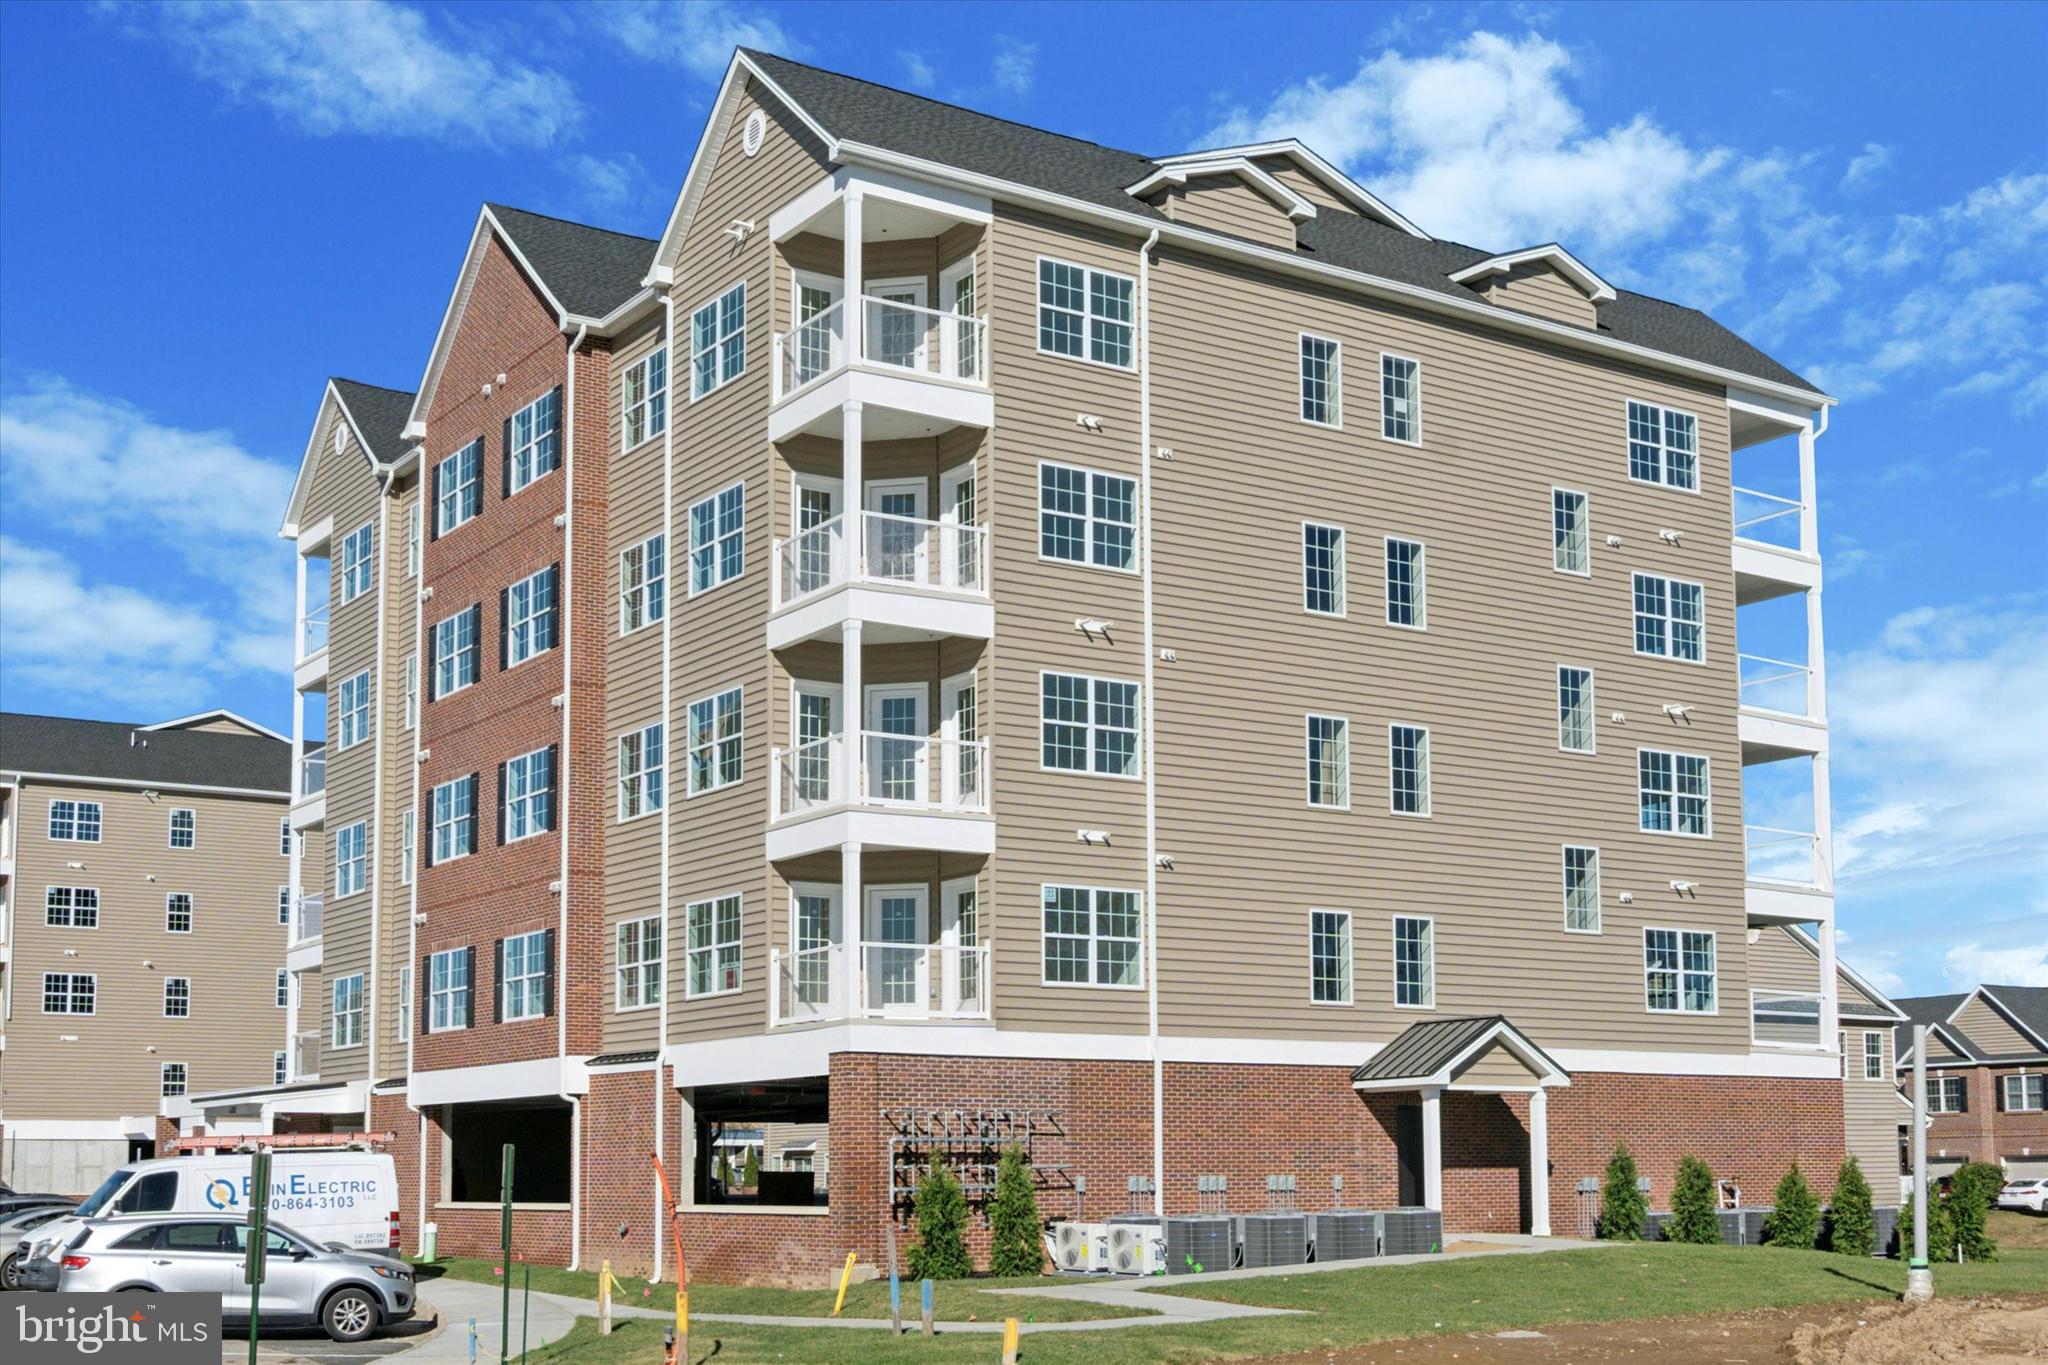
<point x="405" y="1004"/>
<point x="280" y="1069"/>
<point x="1948" y="1094"/>
<point x="352" y="707"/>
<point x="528" y="791"/>
<point x="714" y="946"/>
<point x="459" y="487"/>
<point x="455" y="650"/>
<point x="1407" y="604"/>
<point x="184" y="828"/>
<point x="1322" y="381"/>
<point x="643" y="584"/>
<point x="346" y="1014"/>
<point x="1873" y="1057"/>
<point x="718" y="538"/>
<point x="76" y="822"/>
<point x="284" y="905"/>
<point x="178" y="912"/>
<point x="718" y="341"/>
<point x="454" y="810"/>
<point x="284" y="988"/>
<point x="351" y="858"/>
<point x="284" y="838"/>
<point x="71" y="907"/>
<point x="171" y="1079"/>
<point x="640" y="772"/>
<point x="1087" y="517"/>
<point x="1401" y="399"/>
<point x="1663" y="446"/>
<point x="531" y="620"/>
<point x="1581" y="889"/>
<point x="448" y="986"/>
<point x="1329" y="762"/>
<point x="414" y="518"/>
<point x="1329" y="957"/>
<point x="1088" y="725"/>
<point x="717" y="740"/>
<point x="1414" y="962"/>
<point x="177" y="997"/>
<point x="523" y="976"/>
<point x="1090" y="936"/>
<point x="533" y="441"/>
<point x="1671" y="621"/>
<point x="412" y="690"/>
<point x="1678" y="971"/>
<point x="643" y="399"/>
<point x="70" y="992"/>
<point x="1408" y="769"/>
<point x="1571" y="545"/>
<point x="638" y="961"/>
<point x="1575" y="724"/>
<point x="1086" y="314"/>
<point x="408" y="843"/>
<point x="357" y="557"/>
<point x="2025" y="1094"/>
<point x="1322" y="569"/>
<point x="1675" y="793"/>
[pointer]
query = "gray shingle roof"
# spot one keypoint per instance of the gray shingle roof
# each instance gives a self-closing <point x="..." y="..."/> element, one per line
<point x="590" y="270"/>
<point x="381" y="413"/>
<point x="102" y="749"/>
<point x="2028" y="1004"/>
<point x="897" y="121"/>
<point x="1426" y="1048"/>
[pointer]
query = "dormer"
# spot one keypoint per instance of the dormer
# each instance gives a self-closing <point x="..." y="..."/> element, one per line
<point x="1547" y="281"/>
<point x="1260" y="193"/>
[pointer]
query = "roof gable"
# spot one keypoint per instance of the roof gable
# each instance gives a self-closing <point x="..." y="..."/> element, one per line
<point x="1550" y="254"/>
<point x="1242" y="168"/>
<point x="219" y="721"/>
<point x="133" y="755"/>
<point x="1436" y="1052"/>
<point x="374" y="416"/>
<point x="1317" y="169"/>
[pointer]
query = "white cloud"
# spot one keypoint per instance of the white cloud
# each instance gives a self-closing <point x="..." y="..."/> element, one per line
<point x="1866" y="165"/>
<point x="697" y="35"/>
<point x="1973" y="964"/>
<point x="370" y="67"/>
<point x="610" y="189"/>
<point x="1015" y="67"/>
<point x="918" y="71"/>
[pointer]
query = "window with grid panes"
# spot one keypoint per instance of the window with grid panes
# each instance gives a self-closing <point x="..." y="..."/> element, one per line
<point x="639" y="961"/>
<point x="1406" y="605"/>
<point x="640" y="772"/>
<point x="644" y="396"/>
<point x="178" y="912"/>
<point x="71" y="907"/>
<point x="1575" y="709"/>
<point x="1321" y="381"/>
<point x="717" y="741"/>
<point x="718" y="341"/>
<point x="1414" y="961"/>
<point x="643" y="584"/>
<point x="1678" y="971"/>
<point x="1322" y="569"/>
<point x="1581" y="889"/>
<point x="1670" y="618"/>
<point x="531" y="621"/>
<point x="718" y="546"/>
<point x="1663" y="446"/>
<point x="1090" y="936"/>
<point x="1673" y="791"/>
<point x="459" y="487"/>
<point x="1571" y="548"/>
<point x="714" y="946"/>
<point x="1329" y="762"/>
<point x="536" y="441"/>
<point x="1088" y="725"/>
<point x="1329" y="957"/>
<point x="1408" y="751"/>
<point x="1087" y="517"/>
<point x="1401" y="399"/>
<point x="1086" y="314"/>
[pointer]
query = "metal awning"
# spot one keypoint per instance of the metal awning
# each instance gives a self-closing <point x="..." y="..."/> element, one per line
<point x="1484" y="1053"/>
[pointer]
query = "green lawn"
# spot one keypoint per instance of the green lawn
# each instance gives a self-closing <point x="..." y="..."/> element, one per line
<point x="1345" y="1308"/>
<point x="958" y="1301"/>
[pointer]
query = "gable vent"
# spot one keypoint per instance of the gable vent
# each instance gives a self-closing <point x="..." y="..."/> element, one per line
<point x="753" y="132"/>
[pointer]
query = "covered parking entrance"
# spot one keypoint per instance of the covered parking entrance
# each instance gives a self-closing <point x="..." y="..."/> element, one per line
<point x="1484" y="1055"/>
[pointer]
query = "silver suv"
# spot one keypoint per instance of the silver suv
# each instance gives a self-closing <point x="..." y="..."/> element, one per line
<point x="348" y="1293"/>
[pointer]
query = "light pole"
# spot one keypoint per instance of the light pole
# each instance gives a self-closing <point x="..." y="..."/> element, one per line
<point x="1919" y="1276"/>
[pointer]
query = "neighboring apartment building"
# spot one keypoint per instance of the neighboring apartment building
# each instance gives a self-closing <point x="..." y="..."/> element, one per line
<point x="976" y="637"/>
<point x="1987" y="1076"/>
<point x="142" y="876"/>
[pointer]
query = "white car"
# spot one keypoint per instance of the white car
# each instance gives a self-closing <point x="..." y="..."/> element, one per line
<point x="2031" y="1195"/>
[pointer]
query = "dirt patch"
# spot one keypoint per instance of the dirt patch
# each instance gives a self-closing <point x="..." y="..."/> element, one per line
<point x="1475" y="1246"/>
<point x="2001" y="1331"/>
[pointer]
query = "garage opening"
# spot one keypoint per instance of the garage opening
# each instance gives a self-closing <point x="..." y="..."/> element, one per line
<point x="474" y="1144"/>
<point x="763" y="1145"/>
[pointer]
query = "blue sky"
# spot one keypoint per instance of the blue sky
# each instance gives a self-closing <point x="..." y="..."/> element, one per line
<point x="208" y="208"/>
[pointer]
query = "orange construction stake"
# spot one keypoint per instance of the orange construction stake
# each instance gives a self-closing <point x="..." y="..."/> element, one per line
<point x="680" y="1350"/>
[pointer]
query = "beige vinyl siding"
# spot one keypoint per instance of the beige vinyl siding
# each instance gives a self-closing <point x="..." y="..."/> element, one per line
<point x="220" y="725"/>
<point x="1227" y="203"/>
<point x="1495" y="1066"/>
<point x="401" y="634"/>
<point x="632" y="849"/>
<point x="1502" y="419"/>
<point x="1284" y="170"/>
<point x="1779" y="962"/>
<point x="1537" y="288"/>
<point x="1992" y="1033"/>
<point x="1854" y="1000"/>
<point x="1871" y="1114"/>
<point x="231" y="955"/>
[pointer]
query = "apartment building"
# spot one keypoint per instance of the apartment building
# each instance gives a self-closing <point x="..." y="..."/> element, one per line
<point x="1987" y="1076"/>
<point x="978" y="637"/>
<point x="143" y="872"/>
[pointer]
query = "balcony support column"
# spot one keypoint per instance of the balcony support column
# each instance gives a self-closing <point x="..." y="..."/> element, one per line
<point x="1830" y="995"/>
<point x="1433" y="1148"/>
<point x="295" y="783"/>
<point x="853" y="497"/>
<point x="1539" y="1162"/>
<point x="850" y="207"/>
<point x="847" y="987"/>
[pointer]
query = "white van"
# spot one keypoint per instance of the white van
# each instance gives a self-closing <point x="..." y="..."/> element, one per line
<point x="335" y="1198"/>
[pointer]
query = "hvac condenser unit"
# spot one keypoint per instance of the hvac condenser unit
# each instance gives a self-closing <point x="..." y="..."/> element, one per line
<point x="1273" y="1239"/>
<point x="1079" y="1248"/>
<point x="1348" y="1235"/>
<point x="1199" y="1242"/>
<point x="1653" y="1226"/>
<point x="1135" y="1249"/>
<point x="1412" y="1232"/>
<point x="1887" y="1220"/>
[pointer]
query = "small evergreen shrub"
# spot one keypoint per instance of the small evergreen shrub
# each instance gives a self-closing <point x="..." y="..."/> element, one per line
<point x="1971" y="1194"/>
<point x="1622" y="1204"/>
<point x="1695" y="1207"/>
<point x="724" y="1171"/>
<point x="1852" y="1227"/>
<point x="1794" y="1221"/>
<point x="1015" y="1245"/>
<point x="940" y="1211"/>
<point x="751" y="1176"/>
<point x="1941" y="1241"/>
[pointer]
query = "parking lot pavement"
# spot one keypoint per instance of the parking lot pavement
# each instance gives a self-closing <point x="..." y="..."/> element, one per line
<point x="288" y="1348"/>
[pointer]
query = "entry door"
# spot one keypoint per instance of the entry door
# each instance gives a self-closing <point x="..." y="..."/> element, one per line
<point x="962" y="980"/>
<point x="959" y="545"/>
<point x="897" y="543"/>
<point x="815" y="926"/>
<point x="817" y="346"/>
<point x="897" y="743"/>
<point x="814" y="720"/>
<point x="1408" y="1153"/>
<point x="896" y="323"/>
<point x="961" y="772"/>
<point x="816" y="555"/>
<point x="962" y="355"/>
<point x="896" y="934"/>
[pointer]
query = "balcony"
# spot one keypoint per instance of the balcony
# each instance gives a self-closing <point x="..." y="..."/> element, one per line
<point x="1779" y="716"/>
<point x="911" y="982"/>
<point x="905" y="578"/>
<point x="303" y="952"/>
<point x="1774" y="553"/>
<point x="1789" y="881"/>
<point x="309" y="671"/>
<point x="305" y="1057"/>
<point x="1785" y="1019"/>
<point x="906" y="791"/>
<point x="309" y="792"/>
<point x="919" y="371"/>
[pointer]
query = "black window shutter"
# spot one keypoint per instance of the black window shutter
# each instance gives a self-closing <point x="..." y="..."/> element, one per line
<point x="1998" y="1092"/>
<point x="498" y="983"/>
<point x="476" y="794"/>
<point x="554" y="788"/>
<point x="504" y="628"/>
<point x="555" y="602"/>
<point x="503" y="796"/>
<point x="426" y="995"/>
<point x="476" y="632"/>
<point x="505" y="452"/>
<point x="427" y="684"/>
<point x="1963" y="1093"/>
<point x="433" y="508"/>
<point x="469" y="1013"/>
<point x="556" y="407"/>
<point x="547" y="985"/>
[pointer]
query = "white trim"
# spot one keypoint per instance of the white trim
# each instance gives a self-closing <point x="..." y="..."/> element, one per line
<point x="1586" y="499"/>
<point x="1308" y="720"/>
<point x="1560" y="260"/>
<point x="301" y="486"/>
<point x="1680" y="972"/>
<point x="1380" y="390"/>
<point x="1421" y="584"/>
<point x="1088" y="519"/>
<point x="1428" y="787"/>
<point x="1394" y="961"/>
<point x="1317" y="169"/>
<point x="541" y="1078"/>
<point x="1343" y="570"/>
<point x="1088" y="294"/>
<point x="1350" y="963"/>
<point x="15" y="776"/>
<point x="1806" y="941"/>
<point x="739" y="944"/>
<point x="1137" y="772"/>
<point x="1663" y="465"/>
<point x="1336" y="381"/>
<point x="1708" y="800"/>
<point x="1548" y="1071"/>
<point x="218" y="713"/>
<point x="1592" y="709"/>
<point x="1599" y="909"/>
<point x="1187" y="168"/>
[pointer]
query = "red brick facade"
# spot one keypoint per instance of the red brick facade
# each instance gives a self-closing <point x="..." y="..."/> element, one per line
<point x="1985" y="1131"/>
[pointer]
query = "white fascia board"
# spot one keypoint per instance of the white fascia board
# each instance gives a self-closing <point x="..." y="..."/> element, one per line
<point x="1560" y="260"/>
<point x="1296" y="207"/>
<point x="541" y="1078"/>
<point x="302" y="481"/>
<point x="1288" y="263"/>
<point x="1332" y="179"/>
<point x="87" y="780"/>
<point x="209" y="715"/>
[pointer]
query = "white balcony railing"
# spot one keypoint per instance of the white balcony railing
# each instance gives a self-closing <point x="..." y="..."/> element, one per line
<point x="313" y="638"/>
<point x="1790" y="857"/>
<point x="1785" y="1019"/>
<point x="914" y="772"/>
<point x="1775" y="685"/>
<point x="904" y="552"/>
<point x="306" y="919"/>
<point x="312" y="774"/>
<point x="892" y="981"/>
<point x="1769" y="519"/>
<point x="900" y="336"/>
<point x="306" y="1055"/>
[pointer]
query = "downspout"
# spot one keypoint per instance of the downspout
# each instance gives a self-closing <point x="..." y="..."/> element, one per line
<point x="382" y="562"/>
<point x="668" y="448"/>
<point x="1151" y="717"/>
<point x="562" y="798"/>
<point x="412" y="905"/>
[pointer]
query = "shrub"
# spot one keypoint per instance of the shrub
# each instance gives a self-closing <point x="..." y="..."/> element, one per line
<point x="1695" y="1207"/>
<point x="1015" y="1229"/>
<point x="1970" y="1196"/>
<point x="1941" y="1241"/>
<point x="751" y="1176"/>
<point x="940" y="1210"/>
<point x="1852" y="1227"/>
<point x="1622" y="1205"/>
<point x="1794" y="1220"/>
<point x="724" y="1171"/>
